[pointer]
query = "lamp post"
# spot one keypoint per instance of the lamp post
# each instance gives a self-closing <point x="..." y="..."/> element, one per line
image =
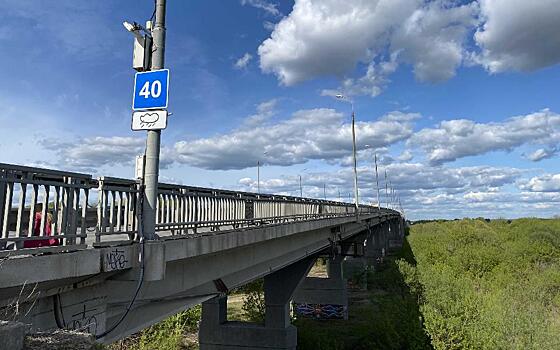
<point x="377" y="182"/>
<point x="356" y="199"/>
<point x="153" y="59"/>
<point x="258" y="176"/>
<point x="300" y="187"/>
<point x="386" y="190"/>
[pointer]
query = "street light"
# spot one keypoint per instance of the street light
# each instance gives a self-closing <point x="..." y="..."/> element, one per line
<point x="259" y="173"/>
<point x="376" y="178"/>
<point x="356" y="199"/>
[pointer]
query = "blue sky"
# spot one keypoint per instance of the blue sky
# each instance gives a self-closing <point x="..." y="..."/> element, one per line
<point x="458" y="98"/>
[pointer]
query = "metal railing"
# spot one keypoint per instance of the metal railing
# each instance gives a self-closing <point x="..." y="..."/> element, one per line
<point x="42" y="208"/>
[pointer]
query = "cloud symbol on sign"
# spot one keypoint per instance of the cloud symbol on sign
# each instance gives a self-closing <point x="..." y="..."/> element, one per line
<point x="149" y="118"/>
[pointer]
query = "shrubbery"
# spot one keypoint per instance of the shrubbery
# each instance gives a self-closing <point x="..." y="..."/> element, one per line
<point x="488" y="285"/>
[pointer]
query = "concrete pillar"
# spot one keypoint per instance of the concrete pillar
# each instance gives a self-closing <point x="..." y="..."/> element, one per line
<point x="12" y="335"/>
<point x="323" y="298"/>
<point x="376" y="245"/>
<point x="216" y="333"/>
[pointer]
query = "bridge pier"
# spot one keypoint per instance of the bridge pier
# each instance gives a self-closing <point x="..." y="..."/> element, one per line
<point x="324" y="297"/>
<point x="277" y="333"/>
<point x="376" y="245"/>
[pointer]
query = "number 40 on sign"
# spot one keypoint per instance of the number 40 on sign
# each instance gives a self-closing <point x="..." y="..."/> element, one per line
<point x="151" y="90"/>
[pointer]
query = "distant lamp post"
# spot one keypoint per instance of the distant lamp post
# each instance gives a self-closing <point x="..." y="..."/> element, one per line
<point x="376" y="177"/>
<point x="356" y="199"/>
<point x="259" y="173"/>
<point x="300" y="187"/>
<point x="386" y="189"/>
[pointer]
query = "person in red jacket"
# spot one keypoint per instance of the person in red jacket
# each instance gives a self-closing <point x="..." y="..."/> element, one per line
<point x="47" y="231"/>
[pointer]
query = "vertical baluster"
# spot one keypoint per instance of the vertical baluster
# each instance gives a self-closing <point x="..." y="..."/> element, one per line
<point x="56" y="215"/>
<point x="83" y="230"/>
<point x="31" y="222"/>
<point x="7" y="209"/>
<point x="44" y="211"/>
<point x="21" y="209"/>
<point x="105" y="209"/>
<point x="73" y="213"/>
<point x="126" y="210"/>
<point x="119" y="211"/>
<point x="111" y="211"/>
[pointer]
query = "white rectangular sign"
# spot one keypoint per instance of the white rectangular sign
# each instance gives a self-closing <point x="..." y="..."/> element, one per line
<point x="149" y="120"/>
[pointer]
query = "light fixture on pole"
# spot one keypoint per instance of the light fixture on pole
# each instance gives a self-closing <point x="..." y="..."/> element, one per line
<point x="356" y="199"/>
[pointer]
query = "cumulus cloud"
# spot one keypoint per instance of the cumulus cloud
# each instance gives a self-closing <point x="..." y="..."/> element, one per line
<point x="308" y="134"/>
<point x="454" y="139"/>
<point x="432" y="39"/>
<point x="431" y="36"/>
<point x="243" y="61"/>
<point x="265" y="111"/>
<point x="378" y="33"/>
<point x="544" y="183"/>
<point x="328" y="37"/>
<point x="518" y="34"/>
<point x="542" y="153"/>
<point x="93" y="153"/>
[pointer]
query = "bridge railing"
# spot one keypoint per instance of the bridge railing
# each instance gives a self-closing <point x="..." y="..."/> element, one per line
<point x="42" y="208"/>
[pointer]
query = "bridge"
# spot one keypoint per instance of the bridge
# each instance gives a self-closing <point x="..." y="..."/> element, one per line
<point x="73" y="255"/>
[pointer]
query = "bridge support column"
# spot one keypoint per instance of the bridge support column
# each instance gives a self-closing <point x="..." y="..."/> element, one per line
<point x="376" y="245"/>
<point x="277" y="333"/>
<point x="395" y="236"/>
<point x="323" y="298"/>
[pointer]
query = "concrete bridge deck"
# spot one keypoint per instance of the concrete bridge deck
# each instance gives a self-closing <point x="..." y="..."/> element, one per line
<point x="104" y="279"/>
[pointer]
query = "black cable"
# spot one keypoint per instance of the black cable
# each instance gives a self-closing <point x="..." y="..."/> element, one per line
<point x="142" y="263"/>
<point x="154" y="13"/>
<point x="58" y="313"/>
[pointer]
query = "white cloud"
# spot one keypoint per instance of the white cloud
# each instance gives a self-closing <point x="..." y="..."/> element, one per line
<point x="542" y="153"/>
<point x="308" y="134"/>
<point x="432" y="39"/>
<point x="94" y="152"/>
<point x="427" y="35"/>
<point x="269" y="8"/>
<point x="265" y="111"/>
<point x="519" y="34"/>
<point x="459" y="138"/>
<point x="328" y="37"/>
<point x="243" y="61"/>
<point x="544" y="183"/>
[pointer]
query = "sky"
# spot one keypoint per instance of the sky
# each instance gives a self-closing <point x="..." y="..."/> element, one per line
<point x="459" y="99"/>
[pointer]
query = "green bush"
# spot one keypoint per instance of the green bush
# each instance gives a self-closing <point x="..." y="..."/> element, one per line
<point x="488" y="285"/>
<point x="253" y="304"/>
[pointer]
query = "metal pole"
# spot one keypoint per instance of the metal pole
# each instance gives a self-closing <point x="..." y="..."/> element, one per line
<point x="377" y="182"/>
<point x="386" y="189"/>
<point x="300" y="187"/>
<point x="153" y="140"/>
<point x="325" y="191"/>
<point x="356" y="199"/>
<point x="258" y="177"/>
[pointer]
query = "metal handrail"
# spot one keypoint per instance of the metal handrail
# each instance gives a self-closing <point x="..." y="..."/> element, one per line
<point x="74" y="205"/>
